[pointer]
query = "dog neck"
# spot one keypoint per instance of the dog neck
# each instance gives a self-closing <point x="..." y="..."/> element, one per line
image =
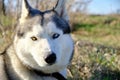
<point x="56" y="75"/>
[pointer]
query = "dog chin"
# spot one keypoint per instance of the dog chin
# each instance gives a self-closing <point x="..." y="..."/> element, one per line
<point x="44" y="65"/>
<point x="51" y="68"/>
<point x="47" y="65"/>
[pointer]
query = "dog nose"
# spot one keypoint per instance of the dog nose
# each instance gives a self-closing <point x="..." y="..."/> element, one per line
<point x="50" y="59"/>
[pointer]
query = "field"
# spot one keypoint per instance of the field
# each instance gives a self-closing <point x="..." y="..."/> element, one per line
<point x="97" y="46"/>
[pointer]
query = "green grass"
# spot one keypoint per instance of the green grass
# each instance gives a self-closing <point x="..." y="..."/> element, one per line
<point x="6" y="20"/>
<point x="6" y="30"/>
<point x="97" y="47"/>
<point x="98" y="29"/>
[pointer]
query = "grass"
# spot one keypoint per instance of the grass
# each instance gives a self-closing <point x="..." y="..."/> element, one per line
<point x="6" y="30"/>
<point x="98" y="29"/>
<point x="97" y="46"/>
<point x="95" y="62"/>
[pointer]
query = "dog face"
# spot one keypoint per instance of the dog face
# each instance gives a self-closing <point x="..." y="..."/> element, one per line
<point x="42" y="39"/>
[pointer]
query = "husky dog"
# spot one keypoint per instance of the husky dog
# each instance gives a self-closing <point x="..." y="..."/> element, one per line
<point x="42" y="46"/>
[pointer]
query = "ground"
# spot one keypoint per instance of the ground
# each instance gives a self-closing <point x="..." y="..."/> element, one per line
<point x="97" y="46"/>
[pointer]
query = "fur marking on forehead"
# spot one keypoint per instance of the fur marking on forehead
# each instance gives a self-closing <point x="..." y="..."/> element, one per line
<point x="61" y="24"/>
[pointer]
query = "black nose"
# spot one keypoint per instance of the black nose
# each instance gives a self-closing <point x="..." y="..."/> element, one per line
<point x="50" y="59"/>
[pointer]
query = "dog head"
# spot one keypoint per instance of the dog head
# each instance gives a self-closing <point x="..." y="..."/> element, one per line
<point x="42" y="40"/>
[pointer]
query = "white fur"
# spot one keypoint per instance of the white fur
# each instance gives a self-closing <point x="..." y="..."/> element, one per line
<point x="32" y="53"/>
<point x="24" y="12"/>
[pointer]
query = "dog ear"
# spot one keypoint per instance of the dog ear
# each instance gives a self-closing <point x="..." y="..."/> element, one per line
<point x="24" y="10"/>
<point x="60" y="8"/>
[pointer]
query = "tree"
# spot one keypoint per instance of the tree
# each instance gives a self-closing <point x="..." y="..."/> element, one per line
<point x="2" y="7"/>
<point x="78" y="5"/>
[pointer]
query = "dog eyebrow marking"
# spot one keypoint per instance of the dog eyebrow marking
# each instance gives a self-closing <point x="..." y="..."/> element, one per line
<point x="61" y="24"/>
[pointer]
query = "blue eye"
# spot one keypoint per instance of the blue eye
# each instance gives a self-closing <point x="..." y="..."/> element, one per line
<point x="56" y="35"/>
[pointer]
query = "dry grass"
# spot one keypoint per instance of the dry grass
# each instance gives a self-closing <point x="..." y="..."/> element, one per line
<point x="6" y="31"/>
<point x="95" y="62"/>
<point x="97" y="47"/>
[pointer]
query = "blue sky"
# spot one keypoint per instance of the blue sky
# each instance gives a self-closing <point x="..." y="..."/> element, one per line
<point x="103" y="6"/>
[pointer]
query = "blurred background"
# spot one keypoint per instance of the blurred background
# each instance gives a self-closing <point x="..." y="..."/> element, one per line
<point x="95" y="26"/>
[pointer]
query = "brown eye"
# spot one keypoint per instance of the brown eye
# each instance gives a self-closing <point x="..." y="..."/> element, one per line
<point x="34" y="38"/>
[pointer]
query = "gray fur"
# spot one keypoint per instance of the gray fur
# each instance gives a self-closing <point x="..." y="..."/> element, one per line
<point x="24" y="56"/>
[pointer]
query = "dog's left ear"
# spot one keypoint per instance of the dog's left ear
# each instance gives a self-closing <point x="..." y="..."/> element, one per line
<point x="60" y="8"/>
<point x="24" y="11"/>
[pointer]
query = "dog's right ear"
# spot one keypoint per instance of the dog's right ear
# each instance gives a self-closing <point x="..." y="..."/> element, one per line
<point x="25" y="10"/>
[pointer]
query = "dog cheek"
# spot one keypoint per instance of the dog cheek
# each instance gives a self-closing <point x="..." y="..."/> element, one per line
<point x="67" y="49"/>
<point x="24" y="45"/>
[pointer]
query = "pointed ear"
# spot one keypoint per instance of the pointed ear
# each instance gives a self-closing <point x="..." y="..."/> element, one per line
<point x="60" y="8"/>
<point x="24" y="11"/>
